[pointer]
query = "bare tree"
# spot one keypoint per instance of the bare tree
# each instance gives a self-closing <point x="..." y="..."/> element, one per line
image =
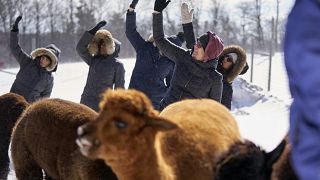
<point x="3" y="15"/>
<point x="259" y="30"/>
<point x="245" y="8"/>
<point x="215" y="10"/>
<point x="276" y="26"/>
<point x="85" y="16"/>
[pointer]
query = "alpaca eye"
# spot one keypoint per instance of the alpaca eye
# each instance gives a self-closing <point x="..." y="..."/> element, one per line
<point x="120" y="124"/>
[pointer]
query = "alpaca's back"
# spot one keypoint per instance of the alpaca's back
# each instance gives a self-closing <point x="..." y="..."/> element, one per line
<point x="206" y="129"/>
<point x="11" y="107"/>
<point x="47" y="131"/>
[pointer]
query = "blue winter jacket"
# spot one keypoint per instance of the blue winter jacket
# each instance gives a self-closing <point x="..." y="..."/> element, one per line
<point x="152" y="72"/>
<point x="32" y="81"/>
<point x="104" y="72"/>
<point x="302" y="60"/>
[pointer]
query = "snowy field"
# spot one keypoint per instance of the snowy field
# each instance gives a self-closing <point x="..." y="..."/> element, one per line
<point x="262" y="116"/>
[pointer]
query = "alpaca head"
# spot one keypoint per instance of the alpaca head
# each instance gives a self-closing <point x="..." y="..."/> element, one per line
<point x="126" y="124"/>
<point x="246" y="161"/>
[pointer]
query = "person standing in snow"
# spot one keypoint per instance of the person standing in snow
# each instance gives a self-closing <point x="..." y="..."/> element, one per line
<point x="99" y="50"/>
<point x="152" y="72"/>
<point x="34" y="79"/>
<point x="231" y="63"/>
<point x="195" y="74"/>
<point x="302" y="60"/>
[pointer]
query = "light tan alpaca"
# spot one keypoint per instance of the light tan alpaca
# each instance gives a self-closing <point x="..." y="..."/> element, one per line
<point x="138" y="144"/>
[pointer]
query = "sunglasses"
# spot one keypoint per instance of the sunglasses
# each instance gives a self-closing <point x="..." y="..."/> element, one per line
<point x="228" y="58"/>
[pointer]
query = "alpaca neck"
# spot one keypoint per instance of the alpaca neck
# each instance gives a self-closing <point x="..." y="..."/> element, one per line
<point x="145" y="165"/>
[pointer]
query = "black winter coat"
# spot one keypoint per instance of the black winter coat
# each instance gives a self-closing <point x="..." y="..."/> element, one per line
<point x="32" y="81"/>
<point x="191" y="79"/>
<point x="240" y="67"/>
<point x="104" y="72"/>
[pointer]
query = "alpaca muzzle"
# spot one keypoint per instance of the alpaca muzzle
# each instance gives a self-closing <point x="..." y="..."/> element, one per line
<point x="86" y="142"/>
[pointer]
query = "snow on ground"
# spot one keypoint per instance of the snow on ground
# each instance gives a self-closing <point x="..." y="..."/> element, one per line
<point x="262" y="116"/>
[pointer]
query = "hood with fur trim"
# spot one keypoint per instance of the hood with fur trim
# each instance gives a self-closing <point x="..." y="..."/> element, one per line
<point x="239" y="58"/>
<point x="52" y="52"/>
<point x="102" y="36"/>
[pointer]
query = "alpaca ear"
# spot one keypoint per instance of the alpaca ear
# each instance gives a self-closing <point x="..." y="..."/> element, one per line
<point x="274" y="155"/>
<point x="160" y="124"/>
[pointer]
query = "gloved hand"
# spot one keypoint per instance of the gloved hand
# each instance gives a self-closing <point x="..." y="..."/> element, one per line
<point x="180" y="36"/>
<point x="160" y="5"/>
<point x="15" y="27"/>
<point x="186" y="13"/>
<point x="97" y="27"/>
<point x="133" y="4"/>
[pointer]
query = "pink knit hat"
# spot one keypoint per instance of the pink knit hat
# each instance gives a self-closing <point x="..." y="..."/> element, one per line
<point x="214" y="47"/>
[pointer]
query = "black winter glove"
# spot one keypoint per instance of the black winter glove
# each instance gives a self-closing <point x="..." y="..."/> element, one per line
<point x="133" y="4"/>
<point x="180" y="36"/>
<point x="15" y="27"/>
<point x="160" y="5"/>
<point x="97" y="27"/>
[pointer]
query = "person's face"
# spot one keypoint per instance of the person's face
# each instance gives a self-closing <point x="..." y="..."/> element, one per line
<point x="198" y="52"/>
<point x="226" y="63"/>
<point x="44" y="61"/>
<point x="104" y="48"/>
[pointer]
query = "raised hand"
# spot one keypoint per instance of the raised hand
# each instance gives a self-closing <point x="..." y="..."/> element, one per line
<point x="15" y="27"/>
<point x="186" y="13"/>
<point x="133" y="4"/>
<point x="160" y="5"/>
<point x="97" y="27"/>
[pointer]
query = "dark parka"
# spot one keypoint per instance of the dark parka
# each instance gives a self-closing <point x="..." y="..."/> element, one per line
<point x="240" y="66"/>
<point x="191" y="79"/>
<point x="152" y="73"/>
<point x="104" y="72"/>
<point x="32" y="81"/>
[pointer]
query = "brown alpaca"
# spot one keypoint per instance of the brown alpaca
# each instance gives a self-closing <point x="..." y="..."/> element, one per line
<point x="44" y="138"/>
<point x="137" y="143"/>
<point x="246" y="161"/>
<point x="282" y="169"/>
<point x="11" y="107"/>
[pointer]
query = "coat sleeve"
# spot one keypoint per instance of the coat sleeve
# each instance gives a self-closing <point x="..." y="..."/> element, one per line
<point x="169" y="77"/>
<point x="119" y="77"/>
<point x="47" y="91"/>
<point x="169" y="49"/>
<point x="82" y="48"/>
<point x="131" y="32"/>
<point x="21" y="56"/>
<point x="216" y="88"/>
<point x="189" y="35"/>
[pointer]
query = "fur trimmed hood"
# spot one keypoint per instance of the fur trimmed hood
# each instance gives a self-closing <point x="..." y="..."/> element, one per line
<point x="52" y="52"/>
<point x="239" y="58"/>
<point x="105" y="37"/>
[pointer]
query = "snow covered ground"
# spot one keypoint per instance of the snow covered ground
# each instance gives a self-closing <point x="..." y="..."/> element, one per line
<point x="262" y="116"/>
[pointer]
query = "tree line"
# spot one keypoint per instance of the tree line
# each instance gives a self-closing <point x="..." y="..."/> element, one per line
<point x="63" y="21"/>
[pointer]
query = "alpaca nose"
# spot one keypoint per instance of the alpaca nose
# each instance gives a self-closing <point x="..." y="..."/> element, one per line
<point x="85" y="130"/>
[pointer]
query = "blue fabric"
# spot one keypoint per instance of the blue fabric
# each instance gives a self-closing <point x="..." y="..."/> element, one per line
<point x="152" y="72"/>
<point x="302" y="60"/>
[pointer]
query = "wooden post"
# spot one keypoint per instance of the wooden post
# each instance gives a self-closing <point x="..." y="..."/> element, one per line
<point x="271" y="53"/>
<point x="252" y="57"/>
